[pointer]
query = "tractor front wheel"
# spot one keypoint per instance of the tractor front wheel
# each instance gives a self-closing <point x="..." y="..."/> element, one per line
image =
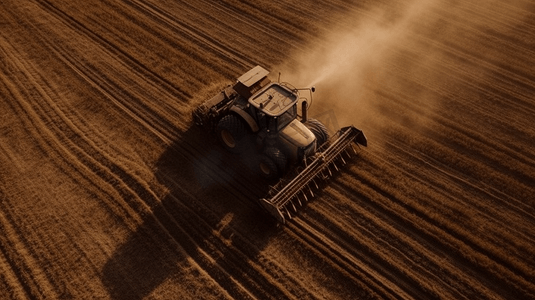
<point x="268" y="168"/>
<point x="319" y="130"/>
<point x="272" y="163"/>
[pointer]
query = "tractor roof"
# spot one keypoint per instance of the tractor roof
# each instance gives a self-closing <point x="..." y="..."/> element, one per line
<point x="273" y="100"/>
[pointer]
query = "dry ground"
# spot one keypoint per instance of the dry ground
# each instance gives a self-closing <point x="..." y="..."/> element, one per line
<point x="106" y="190"/>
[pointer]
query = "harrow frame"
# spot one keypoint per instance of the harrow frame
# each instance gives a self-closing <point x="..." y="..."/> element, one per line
<point x="284" y="197"/>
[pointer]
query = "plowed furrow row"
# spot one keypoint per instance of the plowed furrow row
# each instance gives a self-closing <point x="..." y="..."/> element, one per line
<point x="215" y="255"/>
<point x="494" y="154"/>
<point x="154" y="36"/>
<point x="49" y="144"/>
<point x="444" y="174"/>
<point x="493" y="260"/>
<point x="217" y="55"/>
<point x="22" y="260"/>
<point x="276" y="32"/>
<point x="125" y="56"/>
<point x="487" y="180"/>
<point x="466" y="140"/>
<point x="472" y="17"/>
<point x="488" y="213"/>
<point x="462" y="279"/>
<point x="510" y="75"/>
<point x="69" y="61"/>
<point x="415" y="270"/>
<point x="462" y="256"/>
<point x="194" y="34"/>
<point x="129" y="90"/>
<point x="481" y="240"/>
<point x="386" y="239"/>
<point x="458" y="77"/>
<point x="495" y="83"/>
<point x="366" y="278"/>
<point x="106" y="190"/>
<point x="491" y="79"/>
<point x="505" y="17"/>
<point x="68" y="134"/>
<point x="11" y="282"/>
<point x="458" y="133"/>
<point x="123" y="196"/>
<point x="58" y="154"/>
<point x="206" y="214"/>
<point x="119" y="199"/>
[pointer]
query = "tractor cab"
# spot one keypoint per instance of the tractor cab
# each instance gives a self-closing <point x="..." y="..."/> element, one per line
<point x="274" y="99"/>
<point x="272" y="107"/>
<point x="276" y="111"/>
<point x="276" y="103"/>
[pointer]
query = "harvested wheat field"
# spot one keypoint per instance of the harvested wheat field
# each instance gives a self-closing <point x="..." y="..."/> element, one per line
<point x="108" y="190"/>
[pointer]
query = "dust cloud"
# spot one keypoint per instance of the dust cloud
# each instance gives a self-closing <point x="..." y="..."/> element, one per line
<point x="351" y="63"/>
<point x="399" y="52"/>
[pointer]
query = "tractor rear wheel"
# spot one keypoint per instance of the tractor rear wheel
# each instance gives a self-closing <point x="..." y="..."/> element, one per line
<point x="231" y="132"/>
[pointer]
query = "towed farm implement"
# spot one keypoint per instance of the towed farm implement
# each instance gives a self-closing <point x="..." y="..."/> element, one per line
<point x="293" y="149"/>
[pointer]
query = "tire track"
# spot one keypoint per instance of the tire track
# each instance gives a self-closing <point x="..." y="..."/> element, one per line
<point x="107" y="179"/>
<point x="129" y="60"/>
<point x="139" y="209"/>
<point x="193" y="34"/>
<point x="454" y="236"/>
<point x="493" y="211"/>
<point x="390" y="231"/>
<point x="67" y="134"/>
<point x="250" y="280"/>
<point x="52" y="140"/>
<point x="413" y="257"/>
<point x="11" y="279"/>
<point x="22" y="260"/>
<point x="106" y="182"/>
<point x="327" y="250"/>
<point x="461" y="138"/>
<point x="376" y="243"/>
<point x="189" y="43"/>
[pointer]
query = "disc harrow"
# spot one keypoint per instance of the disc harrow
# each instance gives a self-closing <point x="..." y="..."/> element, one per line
<point x="284" y="198"/>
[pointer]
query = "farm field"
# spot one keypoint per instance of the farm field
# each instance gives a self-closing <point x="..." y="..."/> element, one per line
<point x="108" y="191"/>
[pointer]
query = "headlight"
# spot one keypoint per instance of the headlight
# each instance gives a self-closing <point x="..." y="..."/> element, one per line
<point x="306" y="151"/>
<point x="310" y="149"/>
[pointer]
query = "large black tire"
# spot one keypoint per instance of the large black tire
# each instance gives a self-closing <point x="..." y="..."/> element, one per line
<point x="272" y="163"/>
<point x="319" y="130"/>
<point x="231" y="132"/>
<point x="268" y="168"/>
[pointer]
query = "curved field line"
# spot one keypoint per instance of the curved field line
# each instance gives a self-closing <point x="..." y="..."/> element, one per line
<point x="101" y="172"/>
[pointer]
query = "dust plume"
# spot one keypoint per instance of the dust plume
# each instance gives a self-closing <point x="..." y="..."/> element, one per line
<point x="394" y="63"/>
<point x="352" y="62"/>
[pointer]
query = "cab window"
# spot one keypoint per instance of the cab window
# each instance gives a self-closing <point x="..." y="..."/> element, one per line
<point x="287" y="117"/>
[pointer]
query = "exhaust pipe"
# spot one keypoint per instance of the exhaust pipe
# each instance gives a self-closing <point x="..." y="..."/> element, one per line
<point x="304" y="104"/>
<point x="304" y="111"/>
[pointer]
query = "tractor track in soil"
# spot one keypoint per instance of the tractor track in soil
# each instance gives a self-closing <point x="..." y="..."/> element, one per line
<point x="106" y="191"/>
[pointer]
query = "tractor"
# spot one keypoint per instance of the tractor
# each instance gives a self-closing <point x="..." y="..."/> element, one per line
<point x="285" y="140"/>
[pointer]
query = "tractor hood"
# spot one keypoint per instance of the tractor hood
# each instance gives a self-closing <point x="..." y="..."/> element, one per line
<point x="297" y="134"/>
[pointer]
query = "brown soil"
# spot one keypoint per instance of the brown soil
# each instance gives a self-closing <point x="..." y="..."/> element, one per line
<point x="107" y="190"/>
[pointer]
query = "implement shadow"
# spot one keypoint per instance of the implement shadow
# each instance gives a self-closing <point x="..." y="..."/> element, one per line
<point x="210" y="213"/>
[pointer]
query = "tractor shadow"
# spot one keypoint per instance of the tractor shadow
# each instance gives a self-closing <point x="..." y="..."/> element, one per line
<point x="210" y="199"/>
